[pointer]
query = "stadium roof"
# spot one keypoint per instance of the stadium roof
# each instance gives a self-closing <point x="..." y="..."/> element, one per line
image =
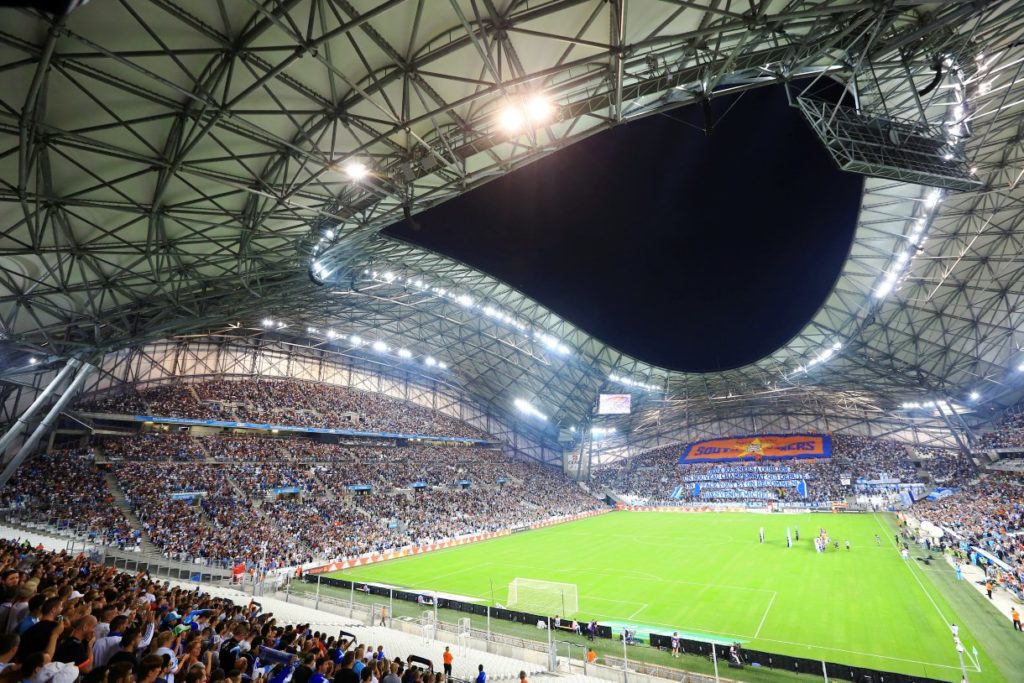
<point x="219" y="166"/>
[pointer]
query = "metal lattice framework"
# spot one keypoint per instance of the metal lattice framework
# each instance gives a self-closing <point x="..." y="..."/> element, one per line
<point x="172" y="168"/>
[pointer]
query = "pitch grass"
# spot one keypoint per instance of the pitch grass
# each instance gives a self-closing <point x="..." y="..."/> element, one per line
<point x="706" y="575"/>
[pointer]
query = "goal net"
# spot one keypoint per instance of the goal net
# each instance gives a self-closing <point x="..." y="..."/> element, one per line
<point x="543" y="597"/>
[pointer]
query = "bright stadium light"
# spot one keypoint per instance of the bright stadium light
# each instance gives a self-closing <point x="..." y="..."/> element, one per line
<point x="268" y="322"/>
<point x="975" y="395"/>
<point x="379" y="346"/>
<point x="356" y="340"/>
<point x="1020" y="368"/>
<point x="512" y="119"/>
<point x="429" y="361"/>
<point x="525" y="407"/>
<point x="33" y="360"/>
<point x="442" y="365"/>
<point x="539" y="109"/>
<point x="404" y="353"/>
<point x="356" y="170"/>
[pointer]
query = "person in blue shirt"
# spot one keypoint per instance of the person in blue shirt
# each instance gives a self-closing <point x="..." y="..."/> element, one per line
<point x="481" y="677"/>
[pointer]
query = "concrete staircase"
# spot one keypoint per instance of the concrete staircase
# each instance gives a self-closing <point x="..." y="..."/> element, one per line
<point x="207" y="456"/>
<point x="119" y="500"/>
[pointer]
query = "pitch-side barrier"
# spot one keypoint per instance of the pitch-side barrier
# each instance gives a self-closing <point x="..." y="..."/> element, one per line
<point x="720" y="654"/>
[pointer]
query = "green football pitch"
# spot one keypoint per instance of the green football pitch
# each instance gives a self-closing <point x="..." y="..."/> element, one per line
<point x="707" y="576"/>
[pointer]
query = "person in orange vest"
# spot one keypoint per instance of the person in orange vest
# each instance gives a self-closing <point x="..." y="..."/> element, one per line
<point x="988" y="588"/>
<point x="591" y="655"/>
<point x="1015" y="615"/>
<point x="447" y="659"/>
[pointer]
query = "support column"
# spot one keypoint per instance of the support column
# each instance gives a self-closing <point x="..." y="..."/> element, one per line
<point x="46" y="423"/>
<point x="21" y="423"/>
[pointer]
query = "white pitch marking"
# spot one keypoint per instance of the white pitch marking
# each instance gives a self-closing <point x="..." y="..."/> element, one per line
<point x="764" y="616"/>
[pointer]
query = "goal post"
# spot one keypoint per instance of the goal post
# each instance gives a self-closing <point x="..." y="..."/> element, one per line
<point x="543" y="597"/>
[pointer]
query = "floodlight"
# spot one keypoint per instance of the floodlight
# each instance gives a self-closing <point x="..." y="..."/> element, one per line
<point x="429" y="361"/>
<point x="380" y="346"/>
<point x="267" y="322"/>
<point x="465" y="300"/>
<point x="975" y="395"/>
<point x="405" y="353"/>
<point x="538" y="109"/>
<point x="1020" y="368"/>
<point x="932" y="199"/>
<point x="887" y="286"/>
<point x="512" y="119"/>
<point x="442" y="365"/>
<point x="356" y="340"/>
<point x="32" y="361"/>
<point x="356" y="170"/>
<point x="329" y="234"/>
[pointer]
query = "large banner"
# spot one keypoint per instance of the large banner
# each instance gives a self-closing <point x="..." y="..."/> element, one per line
<point x="757" y="448"/>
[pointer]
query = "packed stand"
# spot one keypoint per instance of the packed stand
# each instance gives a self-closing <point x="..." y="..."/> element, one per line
<point x="65" y="490"/>
<point x="988" y="515"/>
<point x="285" y="402"/>
<point x="870" y="459"/>
<point x="947" y="466"/>
<point x="155" y="446"/>
<point x="64" y="618"/>
<point x="656" y="478"/>
<point x="1009" y="433"/>
<point x="300" y="496"/>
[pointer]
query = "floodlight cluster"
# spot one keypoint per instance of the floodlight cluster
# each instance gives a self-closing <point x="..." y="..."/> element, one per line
<point x="518" y="115"/>
<point x="630" y="382"/>
<point x="918" y="405"/>
<point x="914" y="245"/>
<point x="378" y="345"/>
<point x="417" y="283"/>
<point x="822" y="356"/>
<point x="271" y="324"/>
<point x="602" y="432"/>
<point x="527" y="408"/>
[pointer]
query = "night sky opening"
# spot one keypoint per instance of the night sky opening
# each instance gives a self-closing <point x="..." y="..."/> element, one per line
<point x="692" y="252"/>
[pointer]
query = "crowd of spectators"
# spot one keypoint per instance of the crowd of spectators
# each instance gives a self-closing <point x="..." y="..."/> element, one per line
<point x="284" y="402"/>
<point x="989" y="515"/>
<point x="947" y="466"/>
<point x="869" y="458"/>
<point x="1008" y="433"/>
<point x="155" y="446"/>
<point x="655" y="477"/>
<point x="64" y="618"/>
<point x="65" y="489"/>
<point x="291" y="500"/>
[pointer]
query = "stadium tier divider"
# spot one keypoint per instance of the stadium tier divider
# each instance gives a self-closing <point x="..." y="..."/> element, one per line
<point x="770" y="660"/>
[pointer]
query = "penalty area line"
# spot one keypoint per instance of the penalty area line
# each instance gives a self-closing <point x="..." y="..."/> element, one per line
<point x="765" y="615"/>
<point x="642" y="608"/>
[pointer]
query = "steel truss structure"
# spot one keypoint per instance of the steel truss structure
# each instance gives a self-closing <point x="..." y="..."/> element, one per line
<point x="172" y="168"/>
